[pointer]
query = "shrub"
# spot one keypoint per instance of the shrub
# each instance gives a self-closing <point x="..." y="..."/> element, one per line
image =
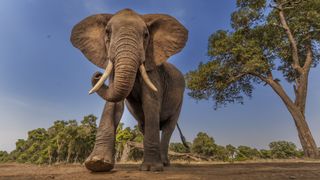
<point x="246" y="153"/>
<point x="179" y="148"/>
<point x="283" y="149"/>
<point x="203" y="145"/>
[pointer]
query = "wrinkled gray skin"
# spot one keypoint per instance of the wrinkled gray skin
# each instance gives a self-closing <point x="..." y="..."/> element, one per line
<point x="128" y="40"/>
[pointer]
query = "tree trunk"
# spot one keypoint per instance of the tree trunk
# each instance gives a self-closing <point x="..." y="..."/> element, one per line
<point x="70" y="150"/>
<point x="50" y="156"/>
<point x="58" y="153"/>
<point x="76" y="158"/>
<point x="297" y="112"/>
<point x="306" y="139"/>
<point x="68" y="156"/>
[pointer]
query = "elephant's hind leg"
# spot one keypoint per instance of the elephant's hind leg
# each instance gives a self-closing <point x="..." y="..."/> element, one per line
<point x="102" y="156"/>
<point x="167" y="130"/>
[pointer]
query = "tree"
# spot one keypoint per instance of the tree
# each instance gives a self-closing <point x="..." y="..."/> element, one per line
<point x="245" y="153"/>
<point x="203" y="144"/>
<point x="125" y="137"/>
<point x="221" y="153"/>
<point x="64" y="141"/>
<point x="283" y="149"/>
<point x="179" y="148"/>
<point x="231" y="151"/>
<point x="137" y="135"/>
<point x="283" y="38"/>
<point x="265" y="154"/>
<point x="4" y="156"/>
<point x="72" y="132"/>
<point x="86" y="136"/>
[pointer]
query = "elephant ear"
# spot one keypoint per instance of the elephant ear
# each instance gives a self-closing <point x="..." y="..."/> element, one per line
<point x="88" y="36"/>
<point x="168" y="36"/>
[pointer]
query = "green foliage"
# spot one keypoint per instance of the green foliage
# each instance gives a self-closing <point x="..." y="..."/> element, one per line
<point x="179" y="147"/>
<point x="137" y="135"/>
<point x="265" y="154"/>
<point x="4" y="156"/>
<point x="65" y="141"/>
<point x="283" y="149"/>
<point x="69" y="142"/>
<point x="247" y="153"/>
<point x="221" y="153"/>
<point x="125" y="135"/>
<point x="231" y="151"/>
<point x="256" y="46"/>
<point x="136" y="154"/>
<point x="203" y="144"/>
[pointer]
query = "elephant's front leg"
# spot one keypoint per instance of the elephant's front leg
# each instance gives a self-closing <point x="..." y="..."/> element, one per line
<point x="102" y="156"/>
<point x="151" y="156"/>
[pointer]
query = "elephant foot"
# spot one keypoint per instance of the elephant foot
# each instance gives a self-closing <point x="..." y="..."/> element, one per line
<point x="99" y="163"/>
<point x="151" y="167"/>
<point x="166" y="163"/>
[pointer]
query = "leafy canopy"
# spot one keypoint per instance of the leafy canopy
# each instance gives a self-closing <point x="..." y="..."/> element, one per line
<point x="256" y="46"/>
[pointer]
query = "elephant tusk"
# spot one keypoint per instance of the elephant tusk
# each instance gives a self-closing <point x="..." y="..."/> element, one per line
<point x="103" y="78"/>
<point x="146" y="78"/>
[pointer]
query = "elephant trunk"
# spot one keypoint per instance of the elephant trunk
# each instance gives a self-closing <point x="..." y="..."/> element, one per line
<point x="124" y="78"/>
<point x="125" y="69"/>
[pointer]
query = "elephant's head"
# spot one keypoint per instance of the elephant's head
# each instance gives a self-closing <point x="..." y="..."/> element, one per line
<point x="125" y="42"/>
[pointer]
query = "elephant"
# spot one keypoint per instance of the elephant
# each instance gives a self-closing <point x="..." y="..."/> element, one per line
<point x="133" y="49"/>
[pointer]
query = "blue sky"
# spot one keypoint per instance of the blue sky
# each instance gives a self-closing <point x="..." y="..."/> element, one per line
<point x="43" y="78"/>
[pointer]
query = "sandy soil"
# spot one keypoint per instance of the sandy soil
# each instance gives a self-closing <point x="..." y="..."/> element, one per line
<point x="239" y="171"/>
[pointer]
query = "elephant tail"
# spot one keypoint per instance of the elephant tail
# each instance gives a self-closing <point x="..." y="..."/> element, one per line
<point x="183" y="139"/>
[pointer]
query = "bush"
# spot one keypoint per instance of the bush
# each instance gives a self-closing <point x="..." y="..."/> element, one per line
<point x="265" y="154"/>
<point x="247" y="153"/>
<point x="203" y="145"/>
<point x="179" y="148"/>
<point x="231" y="151"/>
<point x="136" y="154"/>
<point x="4" y="156"/>
<point x="68" y="141"/>
<point x="221" y="153"/>
<point x="283" y="149"/>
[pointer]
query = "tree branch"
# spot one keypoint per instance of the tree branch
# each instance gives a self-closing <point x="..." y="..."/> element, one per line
<point x="295" y="90"/>
<point x="269" y="74"/>
<point x="281" y="93"/>
<point x="263" y="78"/>
<point x="280" y="26"/>
<point x="308" y="61"/>
<point x="276" y="86"/>
<point x="293" y="43"/>
<point x="285" y="3"/>
<point x="236" y="78"/>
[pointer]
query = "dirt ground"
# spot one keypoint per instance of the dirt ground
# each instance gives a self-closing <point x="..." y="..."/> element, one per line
<point x="238" y="171"/>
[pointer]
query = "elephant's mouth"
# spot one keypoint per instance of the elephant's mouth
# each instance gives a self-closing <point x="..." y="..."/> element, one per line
<point x="108" y="71"/>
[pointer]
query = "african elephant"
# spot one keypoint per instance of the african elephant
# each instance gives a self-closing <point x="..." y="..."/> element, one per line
<point x="133" y="50"/>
